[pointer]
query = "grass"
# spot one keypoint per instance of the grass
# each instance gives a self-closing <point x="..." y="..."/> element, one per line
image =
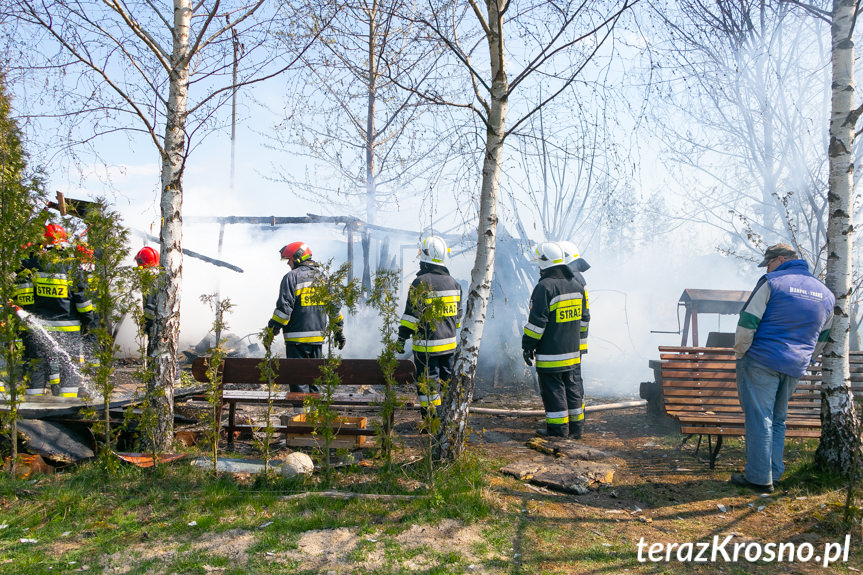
<point x="89" y="517"/>
<point x="475" y="520"/>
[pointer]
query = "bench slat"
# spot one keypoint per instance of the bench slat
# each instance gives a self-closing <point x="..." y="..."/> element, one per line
<point x="735" y="431"/>
<point x="296" y="399"/>
<point x="739" y="419"/>
<point x="706" y="365"/>
<point x="698" y="375"/>
<point x="304" y="371"/>
<point x="700" y="391"/>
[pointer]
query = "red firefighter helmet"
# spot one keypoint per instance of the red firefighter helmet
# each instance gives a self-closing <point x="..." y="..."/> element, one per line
<point x="85" y="252"/>
<point x="147" y="257"/>
<point x="55" y="233"/>
<point x="296" y="252"/>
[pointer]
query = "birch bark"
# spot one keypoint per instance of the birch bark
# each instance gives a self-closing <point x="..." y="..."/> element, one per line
<point x="840" y="438"/>
<point x="161" y="387"/>
<point x="371" y="140"/>
<point x="453" y="431"/>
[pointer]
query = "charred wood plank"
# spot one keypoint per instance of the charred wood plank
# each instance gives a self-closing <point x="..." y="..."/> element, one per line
<point x="64" y="442"/>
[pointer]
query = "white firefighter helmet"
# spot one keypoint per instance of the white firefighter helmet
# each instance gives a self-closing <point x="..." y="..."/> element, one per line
<point x="548" y="254"/>
<point x="433" y="250"/>
<point x="570" y="252"/>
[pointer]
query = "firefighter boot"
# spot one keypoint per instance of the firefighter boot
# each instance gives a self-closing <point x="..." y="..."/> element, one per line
<point x="552" y="430"/>
<point x="576" y="428"/>
<point x="426" y="423"/>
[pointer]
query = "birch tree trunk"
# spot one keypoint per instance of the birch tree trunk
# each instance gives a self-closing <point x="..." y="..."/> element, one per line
<point x="167" y="324"/>
<point x="839" y="439"/>
<point x="459" y="394"/>
<point x="371" y="187"/>
<point x="371" y="140"/>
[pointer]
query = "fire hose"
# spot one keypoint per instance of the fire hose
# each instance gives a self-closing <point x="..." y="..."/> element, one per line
<point x="540" y="412"/>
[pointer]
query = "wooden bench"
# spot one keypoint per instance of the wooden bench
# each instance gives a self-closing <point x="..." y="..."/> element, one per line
<point x="699" y="389"/>
<point x="241" y="384"/>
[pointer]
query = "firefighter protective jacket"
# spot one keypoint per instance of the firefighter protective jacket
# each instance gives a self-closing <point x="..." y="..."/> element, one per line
<point x="23" y="295"/>
<point x="558" y="306"/>
<point x="437" y="337"/>
<point x="585" y="313"/>
<point x="303" y="319"/>
<point x="149" y="308"/>
<point x="60" y="291"/>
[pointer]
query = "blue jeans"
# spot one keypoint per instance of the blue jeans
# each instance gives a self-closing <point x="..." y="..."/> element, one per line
<point x="764" y="395"/>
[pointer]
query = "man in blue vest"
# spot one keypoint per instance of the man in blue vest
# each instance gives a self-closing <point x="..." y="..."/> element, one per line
<point x="782" y="327"/>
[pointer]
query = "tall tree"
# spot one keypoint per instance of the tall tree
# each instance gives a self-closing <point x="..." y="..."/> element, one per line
<point x="20" y="223"/>
<point x="840" y="445"/>
<point x="552" y="44"/>
<point x="738" y="105"/>
<point x="163" y="71"/>
<point x="347" y="115"/>
<point x="569" y="171"/>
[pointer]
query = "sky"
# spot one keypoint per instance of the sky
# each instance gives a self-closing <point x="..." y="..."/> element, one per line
<point x="631" y="293"/>
<point x="633" y="289"/>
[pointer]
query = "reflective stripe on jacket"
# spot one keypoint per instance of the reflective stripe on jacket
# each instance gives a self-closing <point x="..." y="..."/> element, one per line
<point x="437" y="337"/>
<point x="304" y="320"/>
<point x="60" y="291"/>
<point x="23" y="294"/>
<point x="553" y="329"/>
<point x="585" y="313"/>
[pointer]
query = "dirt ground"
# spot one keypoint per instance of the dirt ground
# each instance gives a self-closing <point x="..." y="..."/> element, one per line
<point x="660" y="493"/>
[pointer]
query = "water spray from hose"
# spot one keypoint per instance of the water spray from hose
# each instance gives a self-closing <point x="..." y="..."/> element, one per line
<point x="45" y="338"/>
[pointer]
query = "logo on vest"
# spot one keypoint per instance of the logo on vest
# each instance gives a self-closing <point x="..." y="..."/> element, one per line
<point x="806" y="293"/>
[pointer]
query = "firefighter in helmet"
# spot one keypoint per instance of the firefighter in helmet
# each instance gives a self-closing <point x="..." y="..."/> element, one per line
<point x="552" y="338"/>
<point x="148" y="258"/>
<point x="434" y="342"/>
<point x="577" y="266"/>
<point x="302" y="320"/>
<point x="62" y="305"/>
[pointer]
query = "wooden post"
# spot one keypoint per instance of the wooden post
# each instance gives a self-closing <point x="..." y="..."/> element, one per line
<point x="61" y="203"/>
<point x="350" y="252"/>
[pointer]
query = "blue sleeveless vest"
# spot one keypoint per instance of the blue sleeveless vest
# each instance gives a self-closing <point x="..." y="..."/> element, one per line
<point x="798" y="307"/>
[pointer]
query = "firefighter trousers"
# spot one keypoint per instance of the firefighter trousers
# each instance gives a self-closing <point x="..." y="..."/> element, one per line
<point x="563" y="398"/>
<point x="433" y="372"/>
<point x="295" y="350"/>
<point x="50" y="373"/>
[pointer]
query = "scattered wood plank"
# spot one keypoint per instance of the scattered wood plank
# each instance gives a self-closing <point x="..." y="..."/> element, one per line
<point x="565" y="448"/>
<point x="574" y="476"/>
<point x="63" y="442"/>
<point x="28" y="465"/>
<point x="146" y="460"/>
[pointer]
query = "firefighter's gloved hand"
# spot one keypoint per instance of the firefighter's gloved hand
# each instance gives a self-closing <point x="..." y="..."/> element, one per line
<point x="339" y="338"/>
<point x="275" y="326"/>
<point x="400" y="346"/>
<point x="528" y="356"/>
